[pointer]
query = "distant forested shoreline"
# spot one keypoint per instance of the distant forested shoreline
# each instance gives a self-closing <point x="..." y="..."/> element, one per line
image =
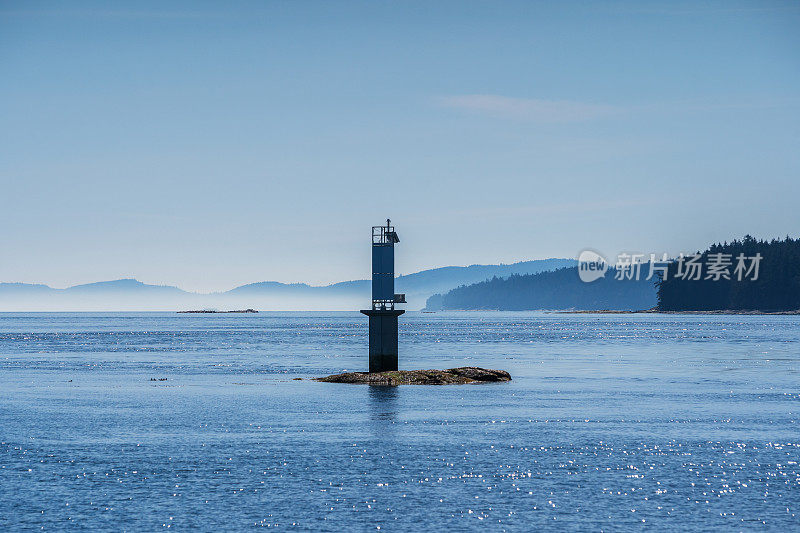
<point x="770" y="283"/>
<point x="745" y="275"/>
<point x="555" y="290"/>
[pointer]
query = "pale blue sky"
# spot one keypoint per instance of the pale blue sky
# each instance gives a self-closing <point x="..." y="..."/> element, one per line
<point x="207" y="145"/>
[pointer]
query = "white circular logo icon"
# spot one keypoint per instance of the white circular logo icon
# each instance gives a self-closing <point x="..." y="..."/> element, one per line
<point x="591" y="266"/>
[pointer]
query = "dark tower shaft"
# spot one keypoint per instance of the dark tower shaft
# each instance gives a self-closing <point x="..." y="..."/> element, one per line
<point x="383" y="315"/>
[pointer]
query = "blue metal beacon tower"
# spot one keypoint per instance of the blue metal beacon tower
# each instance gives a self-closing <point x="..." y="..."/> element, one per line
<point x="383" y="315"/>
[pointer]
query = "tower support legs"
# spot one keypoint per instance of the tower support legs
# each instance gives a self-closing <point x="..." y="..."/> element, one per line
<point x="382" y="338"/>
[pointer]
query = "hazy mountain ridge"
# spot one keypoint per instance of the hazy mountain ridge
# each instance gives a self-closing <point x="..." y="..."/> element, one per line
<point x="122" y="286"/>
<point x="23" y="287"/>
<point x="133" y="295"/>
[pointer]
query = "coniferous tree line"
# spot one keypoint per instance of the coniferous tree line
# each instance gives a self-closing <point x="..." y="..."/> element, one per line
<point x="777" y="287"/>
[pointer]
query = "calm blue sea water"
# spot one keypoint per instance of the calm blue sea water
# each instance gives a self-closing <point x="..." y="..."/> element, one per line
<point x="611" y="422"/>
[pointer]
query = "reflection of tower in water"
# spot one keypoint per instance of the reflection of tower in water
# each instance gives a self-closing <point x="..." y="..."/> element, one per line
<point x="382" y="402"/>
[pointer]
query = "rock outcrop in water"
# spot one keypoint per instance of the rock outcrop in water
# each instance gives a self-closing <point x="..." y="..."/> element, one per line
<point x="453" y="376"/>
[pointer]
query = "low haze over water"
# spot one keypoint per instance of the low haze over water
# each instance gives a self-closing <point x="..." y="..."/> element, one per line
<point x="143" y="421"/>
